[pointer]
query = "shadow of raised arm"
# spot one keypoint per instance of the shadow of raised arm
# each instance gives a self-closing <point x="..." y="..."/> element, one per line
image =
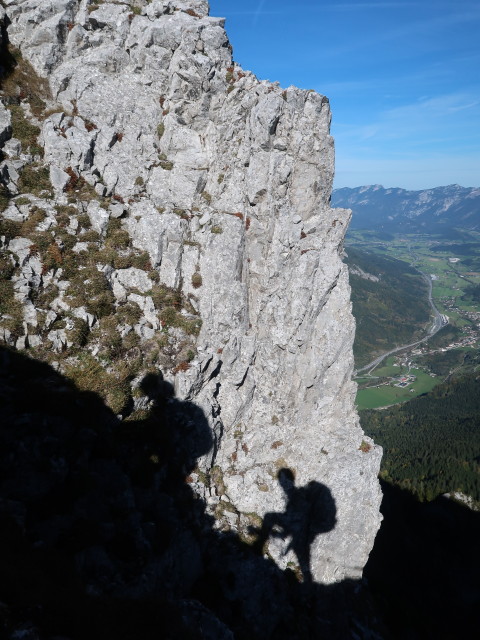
<point x="310" y="511"/>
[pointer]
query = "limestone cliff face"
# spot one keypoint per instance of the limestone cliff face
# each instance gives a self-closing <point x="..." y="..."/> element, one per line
<point x="225" y="181"/>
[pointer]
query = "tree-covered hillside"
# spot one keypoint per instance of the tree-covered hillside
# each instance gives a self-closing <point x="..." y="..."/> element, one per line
<point x="432" y="443"/>
<point x="390" y="309"/>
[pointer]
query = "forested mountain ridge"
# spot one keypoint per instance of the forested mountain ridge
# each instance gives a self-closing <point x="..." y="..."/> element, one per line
<point x="390" y="303"/>
<point x="432" y="444"/>
<point x="399" y="210"/>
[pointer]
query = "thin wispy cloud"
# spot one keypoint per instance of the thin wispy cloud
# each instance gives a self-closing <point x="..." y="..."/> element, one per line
<point x="462" y="107"/>
<point x="418" y="124"/>
<point x="420" y="28"/>
<point x="368" y="5"/>
<point x="258" y="12"/>
<point x="438" y="106"/>
<point x="383" y="85"/>
<point x="401" y="76"/>
<point x="254" y="13"/>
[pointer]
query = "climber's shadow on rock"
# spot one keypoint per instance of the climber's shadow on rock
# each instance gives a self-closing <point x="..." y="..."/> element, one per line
<point x="102" y="536"/>
<point x="180" y="427"/>
<point x="310" y="511"/>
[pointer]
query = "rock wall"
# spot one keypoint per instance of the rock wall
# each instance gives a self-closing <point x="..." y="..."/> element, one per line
<point x="225" y="181"/>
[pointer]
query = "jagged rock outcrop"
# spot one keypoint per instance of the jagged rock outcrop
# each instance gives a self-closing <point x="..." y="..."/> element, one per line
<point x="154" y="138"/>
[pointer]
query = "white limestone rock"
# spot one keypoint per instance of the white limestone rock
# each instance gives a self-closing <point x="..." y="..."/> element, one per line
<point x="5" y="123"/>
<point x="133" y="278"/>
<point x="58" y="178"/>
<point x="236" y="177"/>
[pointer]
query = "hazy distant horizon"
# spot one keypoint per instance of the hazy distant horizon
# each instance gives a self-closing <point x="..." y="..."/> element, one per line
<point x="397" y="186"/>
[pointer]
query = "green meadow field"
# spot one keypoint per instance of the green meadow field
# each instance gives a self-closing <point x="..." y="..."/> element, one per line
<point x="386" y="395"/>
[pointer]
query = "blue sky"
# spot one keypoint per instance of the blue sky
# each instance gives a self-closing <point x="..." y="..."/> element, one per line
<point x="403" y="79"/>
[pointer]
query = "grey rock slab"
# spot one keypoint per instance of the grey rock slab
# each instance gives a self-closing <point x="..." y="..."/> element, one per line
<point x="21" y="248"/>
<point x="58" y="178"/>
<point x="12" y="148"/>
<point x="98" y="216"/>
<point x="5" y="124"/>
<point x="82" y="313"/>
<point x="117" y="210"/>
<point x="133" y="278"/>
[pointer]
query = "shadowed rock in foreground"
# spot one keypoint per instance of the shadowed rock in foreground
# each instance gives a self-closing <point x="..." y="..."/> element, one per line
<point x="102" y="536"/>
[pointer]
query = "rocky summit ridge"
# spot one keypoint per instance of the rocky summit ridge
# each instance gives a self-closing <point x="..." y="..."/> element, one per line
<point x="163" y="210"/>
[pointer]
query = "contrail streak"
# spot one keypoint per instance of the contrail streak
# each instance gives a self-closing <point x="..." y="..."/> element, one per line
<point x="258" y="12"/>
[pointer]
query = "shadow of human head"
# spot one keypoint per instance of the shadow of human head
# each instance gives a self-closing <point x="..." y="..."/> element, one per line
<point x="309" y="511"/>
<point x="286" y="480"/>
<point x="156" y="388"/>
<point x="102" y="537"/>
<point x="181" y="425"/>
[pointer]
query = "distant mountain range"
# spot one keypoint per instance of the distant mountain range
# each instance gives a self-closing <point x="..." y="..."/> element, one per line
<point x="430" y="211"/>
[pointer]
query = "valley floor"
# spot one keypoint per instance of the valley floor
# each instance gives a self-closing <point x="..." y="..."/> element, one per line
<point x="454" y="269"/>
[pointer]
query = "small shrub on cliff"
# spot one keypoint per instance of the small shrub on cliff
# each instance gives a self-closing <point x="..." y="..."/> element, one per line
<point x="26" y="132"/>
<point x="89" y="287"/>
<point x="79" y="334"/>
<point x="35" y="180"/>
<point x="164" y="296"/>
<point x="10" y="307"/>
<point x="84" y="221"/>
<point x="90" y="235"/>
<point x="119" y="240"/>
<point x="216" y="478"/>
<point x="192" y="326"/>
<point x="142" y="261"/>
<point x="37" y="215"/>
<point x="181" y="367"/>
<point x="196" y="280"/>
<point x="4" y="198"/>
<point x="41" y="240"/>
<point x="44" y="296"/>
<point x="6" y="266"/>
<point x="110" y="338"/>
<point x="52" y="258"/>
<point x="181" y="213"/>
<point x="131" y="340"/>
<point x="166" y="165"/>
<point x="365" y="446"/>
<point x="170" y="317"/>
<point x="10" y="228"/>
<point x="20" y="82"/>
<point x="101" y="305"/>
<point x="114" y="224"/>
<point x="89" y="375"/>
<point x="129" y="313"/>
